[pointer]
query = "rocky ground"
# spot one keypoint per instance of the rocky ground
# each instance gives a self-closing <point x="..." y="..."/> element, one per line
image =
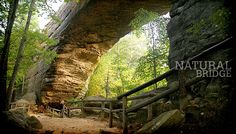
<point x="88" y="125"/>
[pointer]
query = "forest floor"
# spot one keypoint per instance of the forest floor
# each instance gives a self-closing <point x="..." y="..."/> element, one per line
<point x="75" y="125"/>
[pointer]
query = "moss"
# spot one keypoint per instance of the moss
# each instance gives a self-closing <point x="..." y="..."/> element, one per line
<point x="220" y="19"/>
<point x="196" y="28"/>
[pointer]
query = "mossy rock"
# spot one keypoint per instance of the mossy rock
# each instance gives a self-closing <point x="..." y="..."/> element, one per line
<point x="170" y="119"/>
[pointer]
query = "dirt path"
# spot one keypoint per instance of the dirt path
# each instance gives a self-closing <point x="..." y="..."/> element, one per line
<point x="75" y="125"/>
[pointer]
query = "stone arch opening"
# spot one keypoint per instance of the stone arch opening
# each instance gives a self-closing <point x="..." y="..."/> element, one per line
<point x="130" y="62"/>
<point x="87" y="31"/>
<point x="96" y="25"/>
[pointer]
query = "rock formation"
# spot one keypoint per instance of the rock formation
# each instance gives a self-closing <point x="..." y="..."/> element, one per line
<point x="18" y="121"/>
<point x="194" y="26"/>
<point x="93" y="27"/>
<point x="86" y="32"/>
<point x="165" y="122"/>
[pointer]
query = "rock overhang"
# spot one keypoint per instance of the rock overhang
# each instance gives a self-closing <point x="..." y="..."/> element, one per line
<point x="87" y="31"/>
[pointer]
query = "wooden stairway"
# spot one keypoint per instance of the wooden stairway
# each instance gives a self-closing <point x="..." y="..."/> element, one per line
<point x="125" y="97"/>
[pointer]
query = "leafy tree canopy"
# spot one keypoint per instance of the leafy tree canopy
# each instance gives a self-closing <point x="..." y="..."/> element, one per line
<point x="37" y="42"/>
<point x="131" y="61"/>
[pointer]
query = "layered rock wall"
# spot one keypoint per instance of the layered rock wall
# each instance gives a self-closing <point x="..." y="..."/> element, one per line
<point x="87" y="31"/>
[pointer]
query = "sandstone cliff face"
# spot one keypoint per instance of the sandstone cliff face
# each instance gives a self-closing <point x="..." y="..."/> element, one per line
<point x="88" y="30"/>
<point x="194" y="26"/>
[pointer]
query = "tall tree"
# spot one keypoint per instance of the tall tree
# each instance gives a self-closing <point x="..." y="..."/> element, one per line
<point x="153" y="43"/>
<point x="155" y="61"/>
<point x="20" y="53"/>
<point x="107" y="87"/>
<point x="121" y="62"/>
<point x="4" y="54"/>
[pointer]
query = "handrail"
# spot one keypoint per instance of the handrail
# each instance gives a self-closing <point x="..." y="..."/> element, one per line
<point x="168" y="73"/>
<point x="54" y="109"/>
<point x="148" y="94"/>
<point x="164" y="94"/>
<point x="134" y="90"/>
<point x="211" y="48"/>
<point x="103" y="109"/>
<point x="141" y="96"/>
<point x="108" y="100"/>
<point x="157" y="97"/>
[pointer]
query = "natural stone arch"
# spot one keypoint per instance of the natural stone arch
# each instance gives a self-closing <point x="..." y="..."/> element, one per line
<point x="87" y="32"/>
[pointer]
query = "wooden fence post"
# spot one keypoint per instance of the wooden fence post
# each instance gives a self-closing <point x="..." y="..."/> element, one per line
<point x="62" y="111"/>
<point x="124" y="106"/>
<point x="82" y="108"/>
<point x="110" y="115"/>
<point x="53" y="113"/>
<point x="149" y="112"/>
<point x="182" y="89"/>
<point x="68" y="112"/>
<point x="102" y="112"/>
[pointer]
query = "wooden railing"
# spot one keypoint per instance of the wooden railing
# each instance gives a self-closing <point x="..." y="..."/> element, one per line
<point x="102" y="107"/>
<point x="54" y="111"/>
<point x="124" y="97"/>
<point x="15" y="105"/>
<point x="59" y="112"/>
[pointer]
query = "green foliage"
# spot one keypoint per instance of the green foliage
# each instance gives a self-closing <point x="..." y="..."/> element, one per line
<point x="44" y="7"/>
<point x="130" y="62"/>
<point x="197" y="27"/>
<point x="142" y="17"/>
<point x="119" y="64"/>
<point x="34" y="51"/>
<point x="157" y="54"/>
<point x="37" y="43"/>
<point x="48" y="56"/>
<point x="221" y="19"/>
<point x="74" y="102"/>
<point x="55" y="18"/>
<point x="3" y="16"/>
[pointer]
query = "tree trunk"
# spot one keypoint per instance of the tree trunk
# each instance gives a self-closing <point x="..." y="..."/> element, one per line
<point x="107" y="88"/>
<point x="153" y="53"/>
<point x="20" y="53"/>
<point x="4" y="56"/>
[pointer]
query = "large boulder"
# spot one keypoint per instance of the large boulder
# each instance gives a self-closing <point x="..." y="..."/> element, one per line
<point x="18" y="121"/>
<point x="158" y="107"/>
<point x="34" y="122"/>
<point x="165" y="121"/>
